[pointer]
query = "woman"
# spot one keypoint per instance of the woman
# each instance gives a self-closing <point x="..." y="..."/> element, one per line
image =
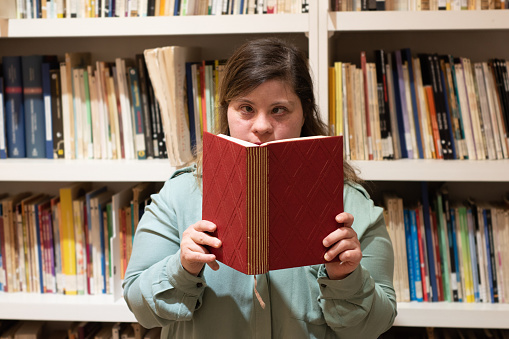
<point x="173" y="281"/>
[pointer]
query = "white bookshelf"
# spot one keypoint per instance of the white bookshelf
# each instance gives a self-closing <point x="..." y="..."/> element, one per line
<point x="46" y="170"/>
<point x="154" y="26"/>
<point x="434" y="170"/>
<point x="444" y="314"/>
<point x="53" y="307"/>
<point x="324" y="36"/>
<point x="417" y="21"/>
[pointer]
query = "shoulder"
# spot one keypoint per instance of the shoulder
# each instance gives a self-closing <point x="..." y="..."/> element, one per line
<point x="182" y="181"/>
<point x="356" y="192"/>
<point x="358" y="203"/>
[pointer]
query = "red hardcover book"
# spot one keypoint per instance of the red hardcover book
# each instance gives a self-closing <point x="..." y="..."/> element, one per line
<point x="273" y="203"/>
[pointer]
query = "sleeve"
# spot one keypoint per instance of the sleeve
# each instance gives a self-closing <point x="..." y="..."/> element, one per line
<point x="157" y="289"/>
<point x="363" y="305"/>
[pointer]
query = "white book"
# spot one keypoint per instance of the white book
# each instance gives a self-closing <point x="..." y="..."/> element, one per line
<point x="465" y="111"/>
<point x="485" y="115"/>
<point x="496" y="115"/>
<point x="166" y="68"/>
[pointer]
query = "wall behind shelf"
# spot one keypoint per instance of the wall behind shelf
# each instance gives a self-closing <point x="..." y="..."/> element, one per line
<point x="476" y="45"/>
<point x="215" y="47"/>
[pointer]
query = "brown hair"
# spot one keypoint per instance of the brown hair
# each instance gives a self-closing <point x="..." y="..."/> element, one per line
<point x="265" y="59"/>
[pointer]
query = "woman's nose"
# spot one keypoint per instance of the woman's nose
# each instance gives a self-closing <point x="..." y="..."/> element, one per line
<point x="262" y="124"/>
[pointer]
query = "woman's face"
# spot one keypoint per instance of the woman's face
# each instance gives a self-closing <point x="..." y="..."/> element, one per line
<point x="272" y="111"/>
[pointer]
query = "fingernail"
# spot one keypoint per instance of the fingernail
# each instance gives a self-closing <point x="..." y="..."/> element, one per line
<point x="326" y="256"/>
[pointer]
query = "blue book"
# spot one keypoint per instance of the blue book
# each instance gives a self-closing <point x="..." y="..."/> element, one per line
<point x="399" y="114"/>
<point x="416" y="256"/>
<point x="454" y="243"/>
<point x="408" y="57"/>
<point x="46" y="93"/>
<point x="490" y="256"/>
<point x="407" y="134"/>
<point x="429" y="241"/>
<point x="473" y="255"/>
<point x="14" y="107"/>
<point x="3" y="139"/>
<point x="35" y="133"/>
<point x="190" y="106"/>
<point x="410" y="257"/>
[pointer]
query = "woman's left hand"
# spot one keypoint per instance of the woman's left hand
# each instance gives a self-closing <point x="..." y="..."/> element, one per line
<point x="344" y="243"/>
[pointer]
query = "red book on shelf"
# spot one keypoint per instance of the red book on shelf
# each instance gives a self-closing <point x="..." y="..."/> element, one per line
<point x="273" y="203"/>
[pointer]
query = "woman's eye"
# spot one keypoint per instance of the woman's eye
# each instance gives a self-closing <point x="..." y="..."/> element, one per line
<point x="279" y="110"/>
<point x="247" y="109"/>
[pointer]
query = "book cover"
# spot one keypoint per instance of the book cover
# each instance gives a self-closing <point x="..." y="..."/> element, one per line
<point x="14" y="106"/>
<point x="258" y="196"/>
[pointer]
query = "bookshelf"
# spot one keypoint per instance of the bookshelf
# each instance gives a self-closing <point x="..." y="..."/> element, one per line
<point x="322" y="35"/>
<point x="475" y="34"/>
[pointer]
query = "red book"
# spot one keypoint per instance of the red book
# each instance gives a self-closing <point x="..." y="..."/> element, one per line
<point x="273" y="203"/>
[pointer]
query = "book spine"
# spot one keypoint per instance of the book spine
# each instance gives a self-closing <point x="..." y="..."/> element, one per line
<point x="48" y="114"/>
<point x="14" y="107"/>
<point x="3" y="138"/>
<point x="35" y="134"/>
<point x="417" y="121"/>
<point x="258" y="206"/>
<point x="139" y="126"/>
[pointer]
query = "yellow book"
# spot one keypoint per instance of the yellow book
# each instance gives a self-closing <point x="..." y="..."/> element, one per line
<point x="332" y="101"/>
<point x="338" y="67"/>
<point x="67" y="234"/>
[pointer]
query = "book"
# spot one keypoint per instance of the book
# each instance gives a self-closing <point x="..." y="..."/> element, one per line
<point x="14" y="107"/>
<point x="166" y="69"/>
<point x="259" y="195"/>
<point x="3" y="138"/>
<point x="67" y="234"/>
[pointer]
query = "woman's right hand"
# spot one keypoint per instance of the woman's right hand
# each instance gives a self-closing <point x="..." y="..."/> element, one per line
<point x="193" y="253"/>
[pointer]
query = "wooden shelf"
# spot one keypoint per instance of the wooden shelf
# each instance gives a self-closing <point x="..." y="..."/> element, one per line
<point x="418" y="21"/>
<point x="152" y="26"/>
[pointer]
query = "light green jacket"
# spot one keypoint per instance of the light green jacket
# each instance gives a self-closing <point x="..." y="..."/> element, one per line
<point x="301" y="302"/>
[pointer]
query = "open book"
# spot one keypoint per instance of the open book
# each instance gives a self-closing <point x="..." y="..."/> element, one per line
<point x="273" y="203"/>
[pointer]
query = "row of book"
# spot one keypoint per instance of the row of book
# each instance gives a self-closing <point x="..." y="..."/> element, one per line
<point x="34" y="9"/>
<point x="448" y="251"/>
<point x="424" y="106"/>
<point x="76" y="109"/>
<point x="68" y="243"/>
<point x="38" y="329"/>
<point x="416" y="5"/>
<point x="79" y="109"/>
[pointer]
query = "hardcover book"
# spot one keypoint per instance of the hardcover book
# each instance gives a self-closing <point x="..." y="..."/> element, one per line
<point x="273" y="203"/>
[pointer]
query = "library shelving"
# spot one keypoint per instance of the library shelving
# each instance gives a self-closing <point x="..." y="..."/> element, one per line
<point x="325" y="36"/>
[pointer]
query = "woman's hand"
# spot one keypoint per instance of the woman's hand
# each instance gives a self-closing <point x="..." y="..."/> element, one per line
<point x="193" y="253"/>
<point x="344" y="243"/>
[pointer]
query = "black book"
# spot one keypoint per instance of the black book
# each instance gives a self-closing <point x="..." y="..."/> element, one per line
<point x="383" y="103"/>
<point x="145" y="109"/>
